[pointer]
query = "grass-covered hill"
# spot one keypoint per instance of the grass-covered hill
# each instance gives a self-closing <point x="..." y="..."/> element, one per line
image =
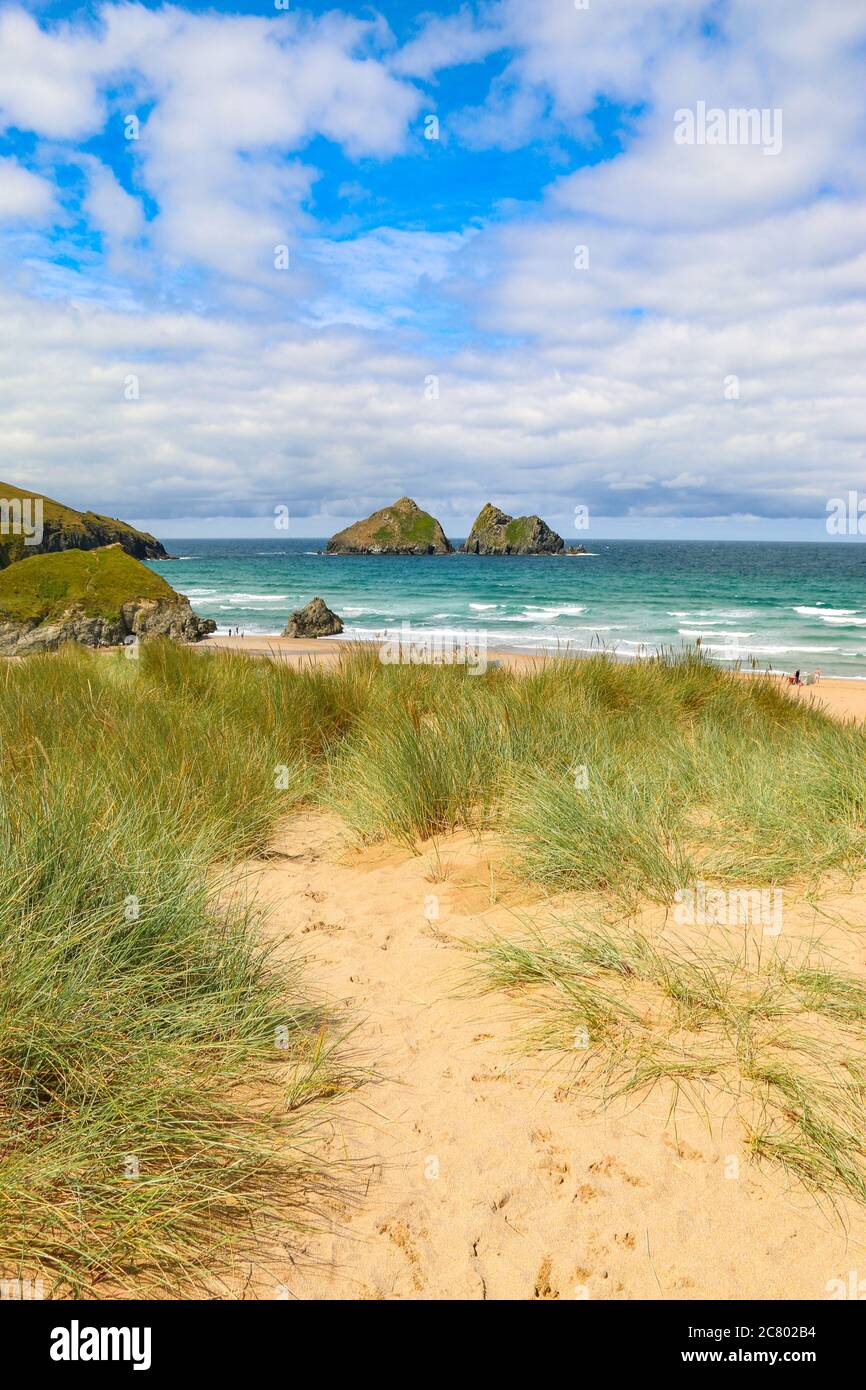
<point x="96" y="582"/>
<point x="96" y="597"/>
<point x="402" y="529"/>
<point x="64" y="528"/>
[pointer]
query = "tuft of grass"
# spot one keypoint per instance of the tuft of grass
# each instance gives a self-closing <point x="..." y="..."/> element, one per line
<point x="629" y="779"/>
<point x="775" y="1037"/>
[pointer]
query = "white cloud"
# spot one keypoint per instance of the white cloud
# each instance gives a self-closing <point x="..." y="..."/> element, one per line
<point x="608" y="385"/>
<point x="374" y="278"/>
<point x="22" y="194"/>
<point x="448" y="41"/>
<point x="234" y="418"/>
<point x="109" y="207"/>
<point x="48" y="81"/>
<point x="222" y="100"/>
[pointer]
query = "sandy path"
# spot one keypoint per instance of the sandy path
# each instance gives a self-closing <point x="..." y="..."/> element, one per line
<point x="476" y="1176"/>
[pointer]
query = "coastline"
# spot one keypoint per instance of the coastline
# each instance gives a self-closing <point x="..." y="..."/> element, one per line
<point x="800" y="609"/>
<point x="841" y="697"/>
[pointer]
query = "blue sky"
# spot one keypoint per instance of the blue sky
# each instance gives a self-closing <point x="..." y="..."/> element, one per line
<point x="281" y="291"/>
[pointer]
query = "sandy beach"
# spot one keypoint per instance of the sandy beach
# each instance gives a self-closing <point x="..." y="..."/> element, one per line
<point x="480" y="1172"/>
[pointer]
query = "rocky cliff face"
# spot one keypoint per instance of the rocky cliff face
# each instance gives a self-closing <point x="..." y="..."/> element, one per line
<point x="139" y="618"/>
<point x="496" y="533"/>
<point x="63" y="528"/>
<point x="403" y="529"/>
<point x="97" y="597"/>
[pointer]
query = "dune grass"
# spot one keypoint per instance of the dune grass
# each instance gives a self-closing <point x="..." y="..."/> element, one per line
<point x="138" y="1014"/>
<point x="630" y="779"/>
<point x="159" y="1077"/>
<point x="782" y="1038"/>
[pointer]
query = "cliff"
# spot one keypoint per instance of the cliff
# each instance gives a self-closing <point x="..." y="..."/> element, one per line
<point x="96" y="597"/>
<point x="63" y="528"/>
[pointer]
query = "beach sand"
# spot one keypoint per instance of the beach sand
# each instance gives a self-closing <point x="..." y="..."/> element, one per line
<point x="476" y="1171"/>
<point x="844" y="699"/>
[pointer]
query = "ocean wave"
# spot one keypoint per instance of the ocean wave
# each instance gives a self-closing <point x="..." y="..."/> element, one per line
<point x="711" y="615"/>
<point x="537" y="612"/>
<point x="737" y="652"/>
<point x="821" y="612"/>
<point x="732" y="636"/>
<point x="416" y="633"/>
<point x="576" y="643"/>
<point x="256" y="598"/>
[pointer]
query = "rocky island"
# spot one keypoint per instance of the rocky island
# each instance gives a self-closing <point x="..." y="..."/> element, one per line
<point x="402" y="529"/>
<point x="97" y="597"/>
<point x="494" y="532"/>
<point x="32" y="524"/>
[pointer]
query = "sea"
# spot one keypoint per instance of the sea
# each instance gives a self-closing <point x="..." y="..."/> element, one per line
<point x="777" y="606"/>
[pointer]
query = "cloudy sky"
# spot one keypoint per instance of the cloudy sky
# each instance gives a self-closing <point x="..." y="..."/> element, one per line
<point x="277" y="253"/>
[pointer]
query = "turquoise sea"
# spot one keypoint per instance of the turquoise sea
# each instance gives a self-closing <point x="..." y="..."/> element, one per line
<point x="781" y="605"/>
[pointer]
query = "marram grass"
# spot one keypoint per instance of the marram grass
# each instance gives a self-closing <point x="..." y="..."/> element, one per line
<point x="138" y="1015"/>
<point x="782" y="1039"/>
<point x="137" y="1011"/>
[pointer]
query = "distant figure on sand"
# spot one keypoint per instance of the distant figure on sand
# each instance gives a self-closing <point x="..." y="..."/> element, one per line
<point x="795" y="679"/>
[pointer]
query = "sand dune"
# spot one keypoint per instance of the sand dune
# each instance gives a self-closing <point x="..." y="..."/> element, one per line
<point x="477" y="1172"/>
